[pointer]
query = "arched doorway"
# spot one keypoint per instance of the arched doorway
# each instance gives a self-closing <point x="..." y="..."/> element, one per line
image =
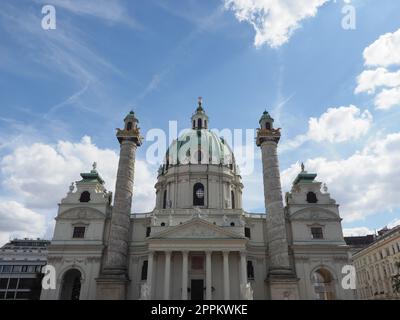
<point x="71" y="285"/>
<point x="323" y="284"/>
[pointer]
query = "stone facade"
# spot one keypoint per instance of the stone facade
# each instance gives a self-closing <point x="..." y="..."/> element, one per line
<point x="198" y="242"/>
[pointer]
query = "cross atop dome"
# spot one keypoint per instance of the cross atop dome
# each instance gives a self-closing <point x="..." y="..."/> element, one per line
<point x="200" y="102"/>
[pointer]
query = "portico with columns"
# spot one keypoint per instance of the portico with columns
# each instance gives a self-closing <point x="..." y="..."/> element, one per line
<point x="197" y="260"/>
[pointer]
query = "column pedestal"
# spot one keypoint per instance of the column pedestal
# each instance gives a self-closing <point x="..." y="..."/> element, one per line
<point x="282" y="287"/>
<point x="110" y="288"/>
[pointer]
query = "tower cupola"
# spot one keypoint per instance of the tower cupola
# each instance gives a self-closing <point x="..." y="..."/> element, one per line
<point x="131" y="122"/>
<point x="200" y="118"/>
<point x="266" y="121"/>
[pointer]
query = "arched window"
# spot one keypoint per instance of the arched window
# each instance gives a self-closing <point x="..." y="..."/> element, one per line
<point x="250" y="269"/>
<point x="312" y="197"/>
<point x="129" y="126"/>
<point x="164" y="206"/>
<point x="198" y="194"/>
<point x="194" y="124"/>
<point x="233" y="199"/>
<point x="267" y="126"/>
<point x="144" y="270"/>
<point x="85" y="196"/>
<point x="232" y="224"/>
<point x="205" y="123"/>
<point x="199" y="123"/>
<point x="162" y="224"/>
<point x="71" y="285"/>
<point x="323" y="284"/>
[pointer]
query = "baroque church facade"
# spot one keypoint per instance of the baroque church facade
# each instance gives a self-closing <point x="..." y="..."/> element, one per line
<point x="198" y="243"/>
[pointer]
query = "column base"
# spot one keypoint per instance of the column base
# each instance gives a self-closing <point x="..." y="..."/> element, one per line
<point x="283" y="286"/>
<point x="110" y="287"/>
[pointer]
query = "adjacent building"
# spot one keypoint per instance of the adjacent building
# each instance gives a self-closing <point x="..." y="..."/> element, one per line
<point x="21" y="261"/>
<point x="377" y="264"/>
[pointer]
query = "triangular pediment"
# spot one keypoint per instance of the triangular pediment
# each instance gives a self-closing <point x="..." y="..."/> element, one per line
<point x="314" y="213"/>
<point x="197" y="228"/>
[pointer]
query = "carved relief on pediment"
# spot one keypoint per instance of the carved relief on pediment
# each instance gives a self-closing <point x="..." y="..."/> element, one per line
<point x="197" y="231"/>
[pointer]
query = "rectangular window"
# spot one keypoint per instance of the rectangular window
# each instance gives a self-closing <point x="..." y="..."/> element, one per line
<point x="26" y="283"/>
<point x="31" y="269"/>
<point x="316" y="233"/>
<point x="24" y="269"/>
<point x="3" y="283"/>
<point x="13" y="283"/>
<point x="247" y="232"/>
<point x="17" y="269"/>
<point x="7" y="269"/>
<point x="79" y="232"/>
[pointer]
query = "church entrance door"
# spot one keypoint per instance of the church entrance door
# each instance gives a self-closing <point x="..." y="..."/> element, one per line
<point x="197" y="289"/>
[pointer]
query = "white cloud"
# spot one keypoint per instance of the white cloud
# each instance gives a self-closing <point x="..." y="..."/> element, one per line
<point x="388" y="98"/>
<point x="383" y="53"/>
<point x="19" y="221"/>
<point x="365" y="183"/>
<point x="358" y="231"/>
<point x="340" y="124"/>
<point x="335" y="125"/>
<point x="369" y="80"/>
<point x="274" y="20"/>
<point x="40" y="174"/>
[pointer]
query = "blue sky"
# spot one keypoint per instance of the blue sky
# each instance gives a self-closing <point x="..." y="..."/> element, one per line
<point x="107" y="57"/>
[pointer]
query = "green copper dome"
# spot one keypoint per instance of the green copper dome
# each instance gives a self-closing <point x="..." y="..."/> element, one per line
<point x="199" y="147"/>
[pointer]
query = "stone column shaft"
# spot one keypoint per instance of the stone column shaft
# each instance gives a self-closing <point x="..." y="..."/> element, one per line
<point x="277" y="239"/>
<point x="184" y="275"/>
<point x="120" y="221"/>
<point x="150" y="266"/>
<point x="167" y="275"/>
<point x="208" y="276"/>
<point x="226" y="274"/>
<point x="243" y="272"/>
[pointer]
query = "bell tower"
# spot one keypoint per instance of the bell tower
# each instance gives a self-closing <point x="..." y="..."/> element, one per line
<point x="112" y="283"/>
<point x="281" y="276"/>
